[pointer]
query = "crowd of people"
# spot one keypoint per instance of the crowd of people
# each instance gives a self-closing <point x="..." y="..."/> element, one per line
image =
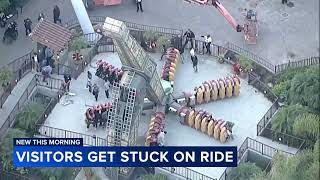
<point x="97" y="115"/>
<point x="11" y="33"/>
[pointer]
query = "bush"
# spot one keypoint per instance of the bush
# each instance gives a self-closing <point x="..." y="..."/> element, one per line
<point x="27" y="119"/>
<point x="245" y="63"/>
<point x="304" y="89"/>
<point x="282" y="89"/>
<point x="78" y="43"/>
<point x="284" y="119"/>
<point x="162" y="40"/>
<point x="245" y="171"/>
<point x="5" y="76"/>
<point x="6" y="149"/>
<point x="150" y="36"/>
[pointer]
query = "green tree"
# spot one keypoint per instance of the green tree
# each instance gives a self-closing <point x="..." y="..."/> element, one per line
<point x="304" y="89"/>
<point x="162" y="40"/>
<point x="282" y="89"/>
<point x="284" y="119"/>
<point x="26" y="119"/>
<point x="6" y="149"/>
<point x="245" y="171"/>
<point x="150" y="36"/>
<point x="307" y="126"/>
<point x="78" y="43"/>
<point x="5" y="76"/>
<point x="4" y="4"/>
<point x="245" y="63"/>
<point x="304" y="165"/>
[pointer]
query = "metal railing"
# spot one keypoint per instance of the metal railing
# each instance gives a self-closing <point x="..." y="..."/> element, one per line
<point x="17" y="108"/>
<point x="187" y="173"/>
<point x="255" y="58"/>
<point x="267" y="117"/>
<point x="297" y="64"/>
<point x="36" y="81"/>
<point x="283" y="138"/>
<point x="256" y="146"/>
<point x="89" y="140"/>
<point x="19" y="68"/>
<point x="254" y="81"/>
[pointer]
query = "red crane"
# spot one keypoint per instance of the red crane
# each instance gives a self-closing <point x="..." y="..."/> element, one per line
<point x="250" y="28"/>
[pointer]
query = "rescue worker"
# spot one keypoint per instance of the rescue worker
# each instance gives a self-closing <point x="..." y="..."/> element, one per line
<point x="27" y="25"/>
<point x="189" y="37"/>
<point x="56" y="14"/>
<point x="208" y="40"/>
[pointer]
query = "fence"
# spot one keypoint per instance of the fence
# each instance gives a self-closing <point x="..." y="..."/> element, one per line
<point x="259" y="60"/>
<point x="18" y="68"/>
<point x="280" y="137"/>
<point x="61" y="133"/>
<point x="256" y="146"/>
<point x="266" y="119"/>
<point x="21" y="102"/>
<point x="297" y="64"/>
<point x="51" y="83"/>
<point x="187" y="173"/>
<point x="261" y="86"/>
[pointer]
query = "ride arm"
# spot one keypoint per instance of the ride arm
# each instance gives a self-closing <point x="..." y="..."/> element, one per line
<point x="222" y="11"/>
<point x="226" y="15"/>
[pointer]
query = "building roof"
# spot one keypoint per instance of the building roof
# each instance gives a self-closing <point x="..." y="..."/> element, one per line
<point x="51" y="35"/>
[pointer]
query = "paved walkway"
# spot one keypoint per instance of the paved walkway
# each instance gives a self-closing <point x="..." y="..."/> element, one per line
<point x="283" y="30"/>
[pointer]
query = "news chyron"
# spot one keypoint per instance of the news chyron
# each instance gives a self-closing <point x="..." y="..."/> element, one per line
<point x="70" y="152"/>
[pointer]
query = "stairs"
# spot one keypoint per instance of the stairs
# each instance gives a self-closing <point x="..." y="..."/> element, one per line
<point x="131" y="54"/>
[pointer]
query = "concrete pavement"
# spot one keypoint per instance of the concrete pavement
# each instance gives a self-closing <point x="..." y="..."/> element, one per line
<point x="284" y="33"/>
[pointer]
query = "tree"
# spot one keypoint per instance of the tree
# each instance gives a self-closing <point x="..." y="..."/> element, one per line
<point x="78" y="43"/>
<point x="245" y="63"/>
<point x="6" y="149"/>
<point x="27" y="119"/>
<point x="284" y="119"/>
<point x="304" y="165"/>
<point x="4" y="4"/>
<point x="5" y="76"/>
<point x="282" y="89"/>
<point x="245" y="171"/>
<point x="307" y="126"/>
<point x="304" y="89"/>
<point x="162" y="40"/>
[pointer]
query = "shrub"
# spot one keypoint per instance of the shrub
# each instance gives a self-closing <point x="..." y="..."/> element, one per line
<point x="27" y="119"/>
<point x="78" y="43"/>
<point x="245" y="63"/>
<point x="6" y="149"/>
<point x="245" y="171"/>
<point x="162" y="40"/>
<point x="150" y="36"/>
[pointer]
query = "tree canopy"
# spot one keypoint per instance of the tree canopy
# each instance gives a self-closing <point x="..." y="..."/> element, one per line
<point x="245" y="171"/>
<point x="6" y="148"/>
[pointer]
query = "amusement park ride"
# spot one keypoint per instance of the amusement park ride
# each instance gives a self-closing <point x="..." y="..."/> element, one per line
<point x="250" y="27"/>
<point x="140" y="81"/>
